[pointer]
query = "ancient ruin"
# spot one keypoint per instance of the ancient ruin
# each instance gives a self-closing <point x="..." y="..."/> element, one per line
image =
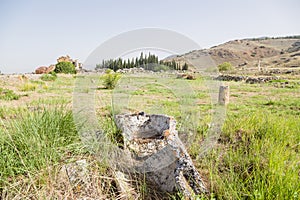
<point x="67" y="58"/>
<point x="159" y="153"/>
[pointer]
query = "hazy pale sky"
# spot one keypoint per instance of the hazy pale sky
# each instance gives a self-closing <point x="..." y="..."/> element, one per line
<point x="34" y="33"/>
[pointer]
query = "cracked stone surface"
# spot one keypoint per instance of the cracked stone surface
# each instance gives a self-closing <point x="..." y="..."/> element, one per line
<point x="153" y="141"/>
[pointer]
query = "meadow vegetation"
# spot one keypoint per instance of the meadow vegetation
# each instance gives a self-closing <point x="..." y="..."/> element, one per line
<point x="7" y="94"/>
<point x="256" y="157"/>
<point x="49" y="77"/>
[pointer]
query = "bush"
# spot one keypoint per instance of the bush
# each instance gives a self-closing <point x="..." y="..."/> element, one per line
<point x="29" y="87"/>
<point x="8" y="95"/>
<point x="49" y="77"/>
<point x="157" y="68"/>
<point x="65" y="67"/>
<point x="110" y="79"/>
<point x="226" y="66"/>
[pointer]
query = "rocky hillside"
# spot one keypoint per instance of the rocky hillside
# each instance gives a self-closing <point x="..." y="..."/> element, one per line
<point x="271" y="54"/>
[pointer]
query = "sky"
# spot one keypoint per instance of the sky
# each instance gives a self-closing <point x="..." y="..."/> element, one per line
<point x="35" y="33"/>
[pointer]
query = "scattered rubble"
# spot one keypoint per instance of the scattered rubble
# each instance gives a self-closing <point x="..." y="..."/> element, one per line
<point x="253" y="80"/>
<point x="76" y="172"/>
<point x="131" y="70"/>
<point x="230" y="78"/>
<point x="186" y="76"/>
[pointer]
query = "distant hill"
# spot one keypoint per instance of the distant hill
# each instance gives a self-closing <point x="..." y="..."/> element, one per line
<point x="281" y="53"/>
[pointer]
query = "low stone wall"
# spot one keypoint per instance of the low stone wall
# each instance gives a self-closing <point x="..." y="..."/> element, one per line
<point x="247" y="79"/>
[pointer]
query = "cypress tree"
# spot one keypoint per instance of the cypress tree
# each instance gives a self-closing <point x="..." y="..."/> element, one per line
<point x="185" y="66"/>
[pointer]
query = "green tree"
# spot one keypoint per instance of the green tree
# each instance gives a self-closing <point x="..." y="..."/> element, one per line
<point x="185" y="67"/>
<point x="141" y="60"/>
<point x="132" y="63"/>
<point x="65" y="67"/>
<point x="173" y="64"/>
<point x="226" y="66"/>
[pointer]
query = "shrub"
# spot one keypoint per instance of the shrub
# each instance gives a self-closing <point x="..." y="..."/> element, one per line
<point x="8" y="95"/>
<point x="226" y="66"/>
<point x="110" y="79"/>
<point x="45" y="87"/>
<point x="157" y="68"/>
<point x="49" y="77"/>
<point x="65" y="67"/>
<point x="28" y="87"/>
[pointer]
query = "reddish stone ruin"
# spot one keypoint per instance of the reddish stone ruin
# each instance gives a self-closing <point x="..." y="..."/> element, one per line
<point x="46" y="70"/>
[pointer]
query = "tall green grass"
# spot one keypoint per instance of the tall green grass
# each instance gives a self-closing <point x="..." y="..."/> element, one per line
<point x="258" y="158"/>
<point x="34" y="141"/>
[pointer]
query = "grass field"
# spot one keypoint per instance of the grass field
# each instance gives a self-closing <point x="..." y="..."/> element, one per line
<point x="256" y="156"/>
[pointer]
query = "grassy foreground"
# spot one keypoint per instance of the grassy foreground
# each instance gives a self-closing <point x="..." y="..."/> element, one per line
<point x="256" y="157"/>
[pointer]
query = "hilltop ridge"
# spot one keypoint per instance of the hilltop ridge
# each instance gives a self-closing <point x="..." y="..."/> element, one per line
<point x="280" y="54"/>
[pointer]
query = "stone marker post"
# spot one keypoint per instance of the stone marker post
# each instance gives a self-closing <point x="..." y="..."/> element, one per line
<point x="223" y="95"/>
